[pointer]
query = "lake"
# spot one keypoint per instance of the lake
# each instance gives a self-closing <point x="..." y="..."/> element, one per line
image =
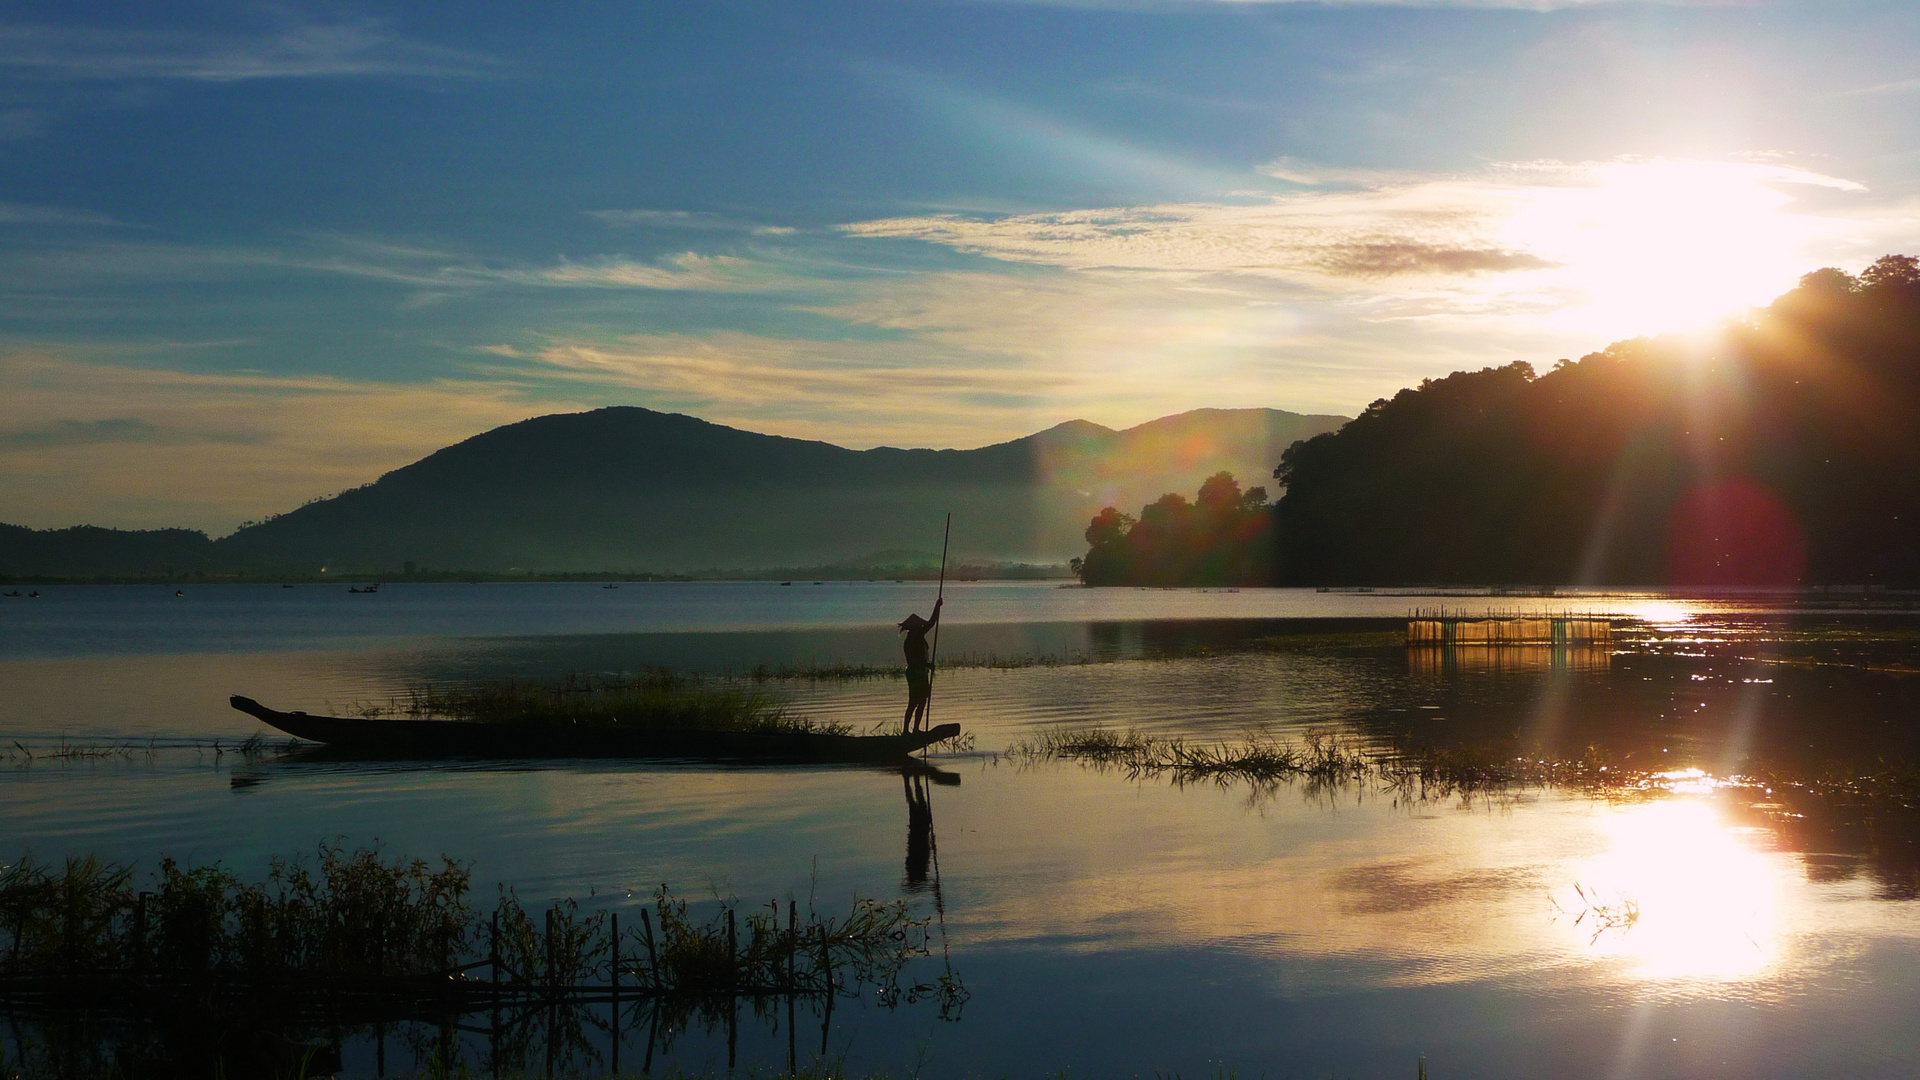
<point x="1104" y="923"/>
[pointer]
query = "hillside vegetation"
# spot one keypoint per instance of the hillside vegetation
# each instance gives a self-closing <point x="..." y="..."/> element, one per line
<point x="1780" y="449"/>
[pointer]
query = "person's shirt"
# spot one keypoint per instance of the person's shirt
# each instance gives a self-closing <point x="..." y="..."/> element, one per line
<point x="916" y="647"/>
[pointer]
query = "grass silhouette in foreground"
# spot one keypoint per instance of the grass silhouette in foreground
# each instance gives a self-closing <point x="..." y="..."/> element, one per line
<point x="358" y="920"/>
<point x="204" y="973"/>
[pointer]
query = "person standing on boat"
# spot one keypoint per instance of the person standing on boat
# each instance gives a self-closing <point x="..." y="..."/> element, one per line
<point x="919" y="666"/>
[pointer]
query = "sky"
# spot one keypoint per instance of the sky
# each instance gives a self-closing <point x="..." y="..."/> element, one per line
<point x="254" y="254"/>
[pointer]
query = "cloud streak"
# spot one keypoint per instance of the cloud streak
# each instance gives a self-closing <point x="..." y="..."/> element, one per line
<point x="1493" y="5"/>
<point x="21" y="214"/>
<point x="686" y="271"/>
<point x="87" y="263"/>
<point x="295" y="50"/>
<point x="1393" y="258"/>
<point x="684" y="220"/>
<point x="1647" y="240"/>
<point x="142" y="448"/>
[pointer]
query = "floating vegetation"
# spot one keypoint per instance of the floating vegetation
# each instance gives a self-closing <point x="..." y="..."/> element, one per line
<point x="254" y="746"/>
<point x="1327" y="760"/>
<point x="1600" y="916"/>
<point x="353" y="940"/>
<point x="22" y="753"/>
<point x="1258" y="757"/>
<point x="655" y="698"/>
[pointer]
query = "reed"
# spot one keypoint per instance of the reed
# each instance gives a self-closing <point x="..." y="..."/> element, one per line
<point x="196" y="972"/>
<point x="357" y="922"/>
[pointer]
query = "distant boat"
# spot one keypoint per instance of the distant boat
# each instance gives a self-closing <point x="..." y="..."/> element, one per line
<point x="179" y="592"/>
<point x="15" y="592"/>
<point x="472" y="739"/>
<point x="609" y="586"/>
<point x="374" y="588"/>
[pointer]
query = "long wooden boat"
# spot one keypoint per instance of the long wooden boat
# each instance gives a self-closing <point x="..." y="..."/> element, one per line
<point x="470" y="739"/>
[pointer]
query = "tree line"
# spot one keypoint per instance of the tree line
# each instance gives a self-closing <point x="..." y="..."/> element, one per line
<point x="1781" y="449"/>
<point x="1223" y="537"/>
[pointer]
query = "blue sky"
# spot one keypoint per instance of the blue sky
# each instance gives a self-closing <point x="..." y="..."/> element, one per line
<point x="251" y="254"/>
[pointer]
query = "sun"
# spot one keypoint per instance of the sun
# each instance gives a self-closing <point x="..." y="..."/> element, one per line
<point x="1650" y="246"/>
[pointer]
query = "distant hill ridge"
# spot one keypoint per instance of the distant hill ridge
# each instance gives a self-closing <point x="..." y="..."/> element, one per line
<point x="626" y="488"/>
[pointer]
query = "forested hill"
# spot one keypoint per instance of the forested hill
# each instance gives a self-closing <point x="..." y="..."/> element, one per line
<point x="1782" y="450"/>
<point x="633" y="489"/>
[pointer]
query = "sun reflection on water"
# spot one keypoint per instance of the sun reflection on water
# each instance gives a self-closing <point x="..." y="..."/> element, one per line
<point x="1680" y="893"/>
<point x="1661" y="614"/>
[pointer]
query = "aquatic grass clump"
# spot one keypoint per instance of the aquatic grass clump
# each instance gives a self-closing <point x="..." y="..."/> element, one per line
<point x="1326" y="760"/>
<point x="1257" y="757"/>
<point x="655" y="698"/>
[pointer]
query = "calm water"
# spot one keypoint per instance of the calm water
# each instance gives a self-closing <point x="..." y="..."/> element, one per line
<point x="1103" y="924"/>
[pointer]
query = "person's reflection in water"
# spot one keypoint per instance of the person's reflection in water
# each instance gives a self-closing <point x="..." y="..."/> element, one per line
<point x="919" y="830"/>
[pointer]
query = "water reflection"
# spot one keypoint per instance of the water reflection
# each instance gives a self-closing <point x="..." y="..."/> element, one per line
<point x="1507" y="659"/>
<point x="1680" y="893"/>
<point x="1749" y="872"/>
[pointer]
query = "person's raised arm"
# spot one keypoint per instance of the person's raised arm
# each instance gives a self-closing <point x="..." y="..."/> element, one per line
<point x="937" y="605"/>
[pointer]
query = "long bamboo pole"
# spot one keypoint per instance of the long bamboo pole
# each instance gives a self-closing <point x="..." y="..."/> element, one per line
<point x="926" y="715"/>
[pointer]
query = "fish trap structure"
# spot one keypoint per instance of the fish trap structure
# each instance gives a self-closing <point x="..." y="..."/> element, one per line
<point x="1442" y="629"/>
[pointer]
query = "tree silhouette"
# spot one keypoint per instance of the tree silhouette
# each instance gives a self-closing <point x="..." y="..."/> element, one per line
<point x="1783" y="449"/>
<point x="1224" y="537"/>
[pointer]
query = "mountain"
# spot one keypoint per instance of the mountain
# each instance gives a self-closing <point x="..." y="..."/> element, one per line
<point x="630" y="489"/>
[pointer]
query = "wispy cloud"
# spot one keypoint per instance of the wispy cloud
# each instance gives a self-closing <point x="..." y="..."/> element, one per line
<point x="67" y="427"/>
<point x="1515" y="5"/>
<point x="21" y="214"/>
<point x="292" y="50"/>
<point x="1392" y="258"/>
<point x="1632" y="243"/>
<point x="852" y="392"/>
<point x="113" y="429"/>
<point x="689" y="270"/>
<point x="438" y="270"/>
<point x="685" y="219"/>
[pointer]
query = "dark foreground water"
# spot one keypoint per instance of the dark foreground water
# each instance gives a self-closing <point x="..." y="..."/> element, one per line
<point x="1109" y="925"/>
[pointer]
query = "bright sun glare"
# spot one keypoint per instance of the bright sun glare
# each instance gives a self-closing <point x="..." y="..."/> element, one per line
<point x="1684" y="895"/>
<point x="1648" y="246"/>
